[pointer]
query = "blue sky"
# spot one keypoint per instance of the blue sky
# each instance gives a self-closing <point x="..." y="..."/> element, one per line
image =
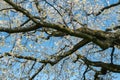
<point x="52" y="41"/>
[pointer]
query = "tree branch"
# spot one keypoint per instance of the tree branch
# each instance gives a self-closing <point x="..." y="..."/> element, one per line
<point x="107" y="7"/>
<point x="107" y="66"/>
<point x="20" y="29"/>
<point x="22" y="10"/>
<point x="54" y="58"/>
<point x="104" y="44"/>
<point x="112" y="54"/>
<point x="37" y="72"/>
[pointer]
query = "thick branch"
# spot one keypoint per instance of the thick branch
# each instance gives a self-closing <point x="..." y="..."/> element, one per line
<point x="20" y="29"/>
<point x="108" y="66"/>
<point x="113" y="28"/>
<point x="104" y="44"/>
<point x="54" y="58"/>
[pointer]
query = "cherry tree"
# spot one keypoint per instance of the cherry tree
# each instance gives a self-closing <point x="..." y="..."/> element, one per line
<point x="59" y="39"/>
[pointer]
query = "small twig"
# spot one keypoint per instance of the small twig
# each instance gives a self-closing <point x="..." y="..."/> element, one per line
<point x="31" y="67"/>
<point x="107" y="7"/>
<point x="57" y="12"/>
<point x="6" y="9"/>
<point x="112" y="53"/>
<point x="37" y="72"/>
<point x="25" y="22"/>
<point x="86" y="70"/>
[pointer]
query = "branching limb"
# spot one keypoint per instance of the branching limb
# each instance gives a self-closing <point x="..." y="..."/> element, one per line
<point x="57" y="12"/>
<point x="107" y="66"/>
<point x="22" y="10"/>
<point x="107" y="7"/>
<point x="104" y="8"/>
<point x="53" y="58"/>
<point x="101" y="38"/>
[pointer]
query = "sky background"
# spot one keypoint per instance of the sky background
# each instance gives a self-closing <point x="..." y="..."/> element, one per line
<point x="9" y="42"/>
